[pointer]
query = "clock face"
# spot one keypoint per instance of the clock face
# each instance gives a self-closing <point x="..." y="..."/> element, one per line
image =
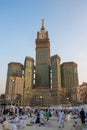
<point x="42" y="35"/>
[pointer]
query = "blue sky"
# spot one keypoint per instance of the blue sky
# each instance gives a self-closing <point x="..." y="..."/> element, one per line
<point x="65" y="20"/>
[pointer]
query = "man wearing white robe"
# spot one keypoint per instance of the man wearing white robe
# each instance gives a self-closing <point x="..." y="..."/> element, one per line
<point x="61" y="117"/>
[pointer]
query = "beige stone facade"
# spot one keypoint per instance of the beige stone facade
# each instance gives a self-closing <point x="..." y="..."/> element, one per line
<point x="42" y="82"/>
<point x="79" y="94"/>
<point x="69" y="76"/>
<point x="14" y="70"/>
<point x="16" y="86"/>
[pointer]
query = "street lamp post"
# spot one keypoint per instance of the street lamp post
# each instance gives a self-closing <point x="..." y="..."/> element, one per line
<point x="12" y="92"/>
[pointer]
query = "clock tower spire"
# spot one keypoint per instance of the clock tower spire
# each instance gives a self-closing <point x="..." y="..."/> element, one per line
<point x="43" y="33"/>
<point x="42" y="28"/>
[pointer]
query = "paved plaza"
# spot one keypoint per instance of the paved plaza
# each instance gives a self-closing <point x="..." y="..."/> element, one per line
<point x="68" y="124"/>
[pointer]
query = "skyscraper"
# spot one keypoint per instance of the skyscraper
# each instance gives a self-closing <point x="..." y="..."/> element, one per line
<point x="28" y="72"/>
<point x="69" y="75"/>
<point x="42" y="79"/>
<point x="14" y="70"/>
<point x="47" y="72"/>
<point x="28" y="78"/>
<point x="56" y="72"/>
<point x="15" y="81"/>
<point x="46" y="81"/>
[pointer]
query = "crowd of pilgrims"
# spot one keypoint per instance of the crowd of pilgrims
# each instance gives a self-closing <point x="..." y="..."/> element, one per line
<point x="40" y="116"/>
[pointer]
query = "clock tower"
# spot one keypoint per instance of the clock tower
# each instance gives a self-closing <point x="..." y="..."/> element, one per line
<point x="42" y="78"/>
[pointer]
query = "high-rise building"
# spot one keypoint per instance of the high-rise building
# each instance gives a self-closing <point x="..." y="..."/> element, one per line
<point x="56" y="72"/>
<point x="28" y="77"/>
<point x="47" y="81"/>
<point x="69" y="75"/>
<point x="42" y="94"/>
<point x="28" y="72"/>
<point x="14" y="70"/>
<point x="42" y="79"/>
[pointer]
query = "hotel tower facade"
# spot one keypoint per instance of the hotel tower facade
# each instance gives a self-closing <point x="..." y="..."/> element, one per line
<point x="43" y="80"/>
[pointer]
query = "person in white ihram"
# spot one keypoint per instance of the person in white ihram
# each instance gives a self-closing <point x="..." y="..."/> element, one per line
<point x="61" y="116"/>
<point x="15" y="120"/>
